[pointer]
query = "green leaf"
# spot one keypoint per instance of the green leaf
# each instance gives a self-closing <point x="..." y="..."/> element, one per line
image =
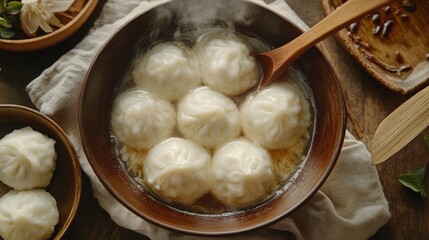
<point x="4" y="23"/>
<point x="13" y="7"/>
<point x="426" y="139"/>
<point x="415" y="181"/>
<point x="5" y="33"/>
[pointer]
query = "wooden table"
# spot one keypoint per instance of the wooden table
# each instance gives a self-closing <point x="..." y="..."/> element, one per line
<point x="368" y="100"/>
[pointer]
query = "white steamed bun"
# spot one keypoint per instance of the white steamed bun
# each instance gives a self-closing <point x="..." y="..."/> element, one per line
<point x="226" y="63"/>
<point x="140" y="119"/>
<point x="276" y="117"/>
<point x="243" y="173"/>
<point x="168" y="70"/>
<point x="30" y="214"/>
<point x="178" y="170"/>
<point x="208" y="117"/>
<point x="27" y="159"/>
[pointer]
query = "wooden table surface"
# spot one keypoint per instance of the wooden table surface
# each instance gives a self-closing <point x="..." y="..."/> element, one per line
<point x="367" y="99"/>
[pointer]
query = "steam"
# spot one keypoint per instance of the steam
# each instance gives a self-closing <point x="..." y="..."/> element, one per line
<point x="196" y="15"/>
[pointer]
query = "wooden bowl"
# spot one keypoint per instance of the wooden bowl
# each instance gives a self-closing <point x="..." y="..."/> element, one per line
<point x="72" y="19"/>
<point x="66" y="183"/>
<point x="113" y="62"/>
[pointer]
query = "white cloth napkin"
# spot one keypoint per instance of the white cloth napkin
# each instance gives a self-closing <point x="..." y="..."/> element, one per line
<point x="350" y="204"/>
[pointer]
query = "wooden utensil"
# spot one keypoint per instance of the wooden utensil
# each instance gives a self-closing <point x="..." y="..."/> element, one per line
<point x="401" y="126"/>
<point x="276" y="62"/>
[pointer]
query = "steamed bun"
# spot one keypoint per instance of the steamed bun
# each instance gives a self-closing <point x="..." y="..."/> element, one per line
<point x="27" y="159"/>
<point x="30" y="214"/>
<point x="208" y="117"/>
<point x="140" y="119"/>
<point x="243" y="174"/>
<point x="226" y="63"/>
<point x="168" y="69"/>
<point x="276" y="117"/>
<point x="178" y="170"/>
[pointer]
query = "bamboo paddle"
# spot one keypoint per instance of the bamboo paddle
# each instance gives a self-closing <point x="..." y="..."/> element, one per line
<point x="401" y="126"/>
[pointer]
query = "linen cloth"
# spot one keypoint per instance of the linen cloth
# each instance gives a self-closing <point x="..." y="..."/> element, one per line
<point x="350" y="204"/>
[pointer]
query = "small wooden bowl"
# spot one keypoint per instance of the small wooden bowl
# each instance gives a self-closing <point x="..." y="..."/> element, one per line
<point x="66" y="183"/>
<point x="72" y="19"/>
<point x="113" y="62"/>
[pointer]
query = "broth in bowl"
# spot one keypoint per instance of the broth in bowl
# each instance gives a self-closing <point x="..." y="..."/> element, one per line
<point x="194" y="128"/>
<point x="187" y="25"/>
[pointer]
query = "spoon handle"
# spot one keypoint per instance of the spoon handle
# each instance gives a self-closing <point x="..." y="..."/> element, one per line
<point x="345" y="14"/>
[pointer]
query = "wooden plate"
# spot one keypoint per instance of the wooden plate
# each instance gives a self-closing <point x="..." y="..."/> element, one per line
<point x="392" y="44"/>
<point x="72" y="19"/>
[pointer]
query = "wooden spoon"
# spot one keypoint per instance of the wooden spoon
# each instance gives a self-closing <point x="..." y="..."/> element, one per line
<point x="277" y="61"/>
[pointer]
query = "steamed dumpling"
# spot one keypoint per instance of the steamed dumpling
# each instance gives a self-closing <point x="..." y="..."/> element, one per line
<point x="208" y="117"/>
<point x="243" y="174"/>
<point x="276" y="117"/>
<point x="27" y="159"/>
<point x="178" y="170"/>
<point x="168" y="70"/>
<point x="30" y="214"/>
<point x="226" y="63"/>
<point x="140" y="119"/>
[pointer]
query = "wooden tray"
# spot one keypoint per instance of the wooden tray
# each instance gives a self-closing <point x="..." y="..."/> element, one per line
<point x="392" y="44"/>
<point x="72" y="19"/>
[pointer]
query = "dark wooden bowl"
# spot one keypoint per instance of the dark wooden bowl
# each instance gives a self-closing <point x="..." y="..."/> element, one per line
<point x="113" y="63"/>
<point x="66" y="183"/>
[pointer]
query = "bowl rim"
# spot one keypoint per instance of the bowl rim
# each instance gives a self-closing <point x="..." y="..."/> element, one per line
<point x="29" y="113"/>
<point x="219" y="232"/>
<point x="52" y="38"/>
